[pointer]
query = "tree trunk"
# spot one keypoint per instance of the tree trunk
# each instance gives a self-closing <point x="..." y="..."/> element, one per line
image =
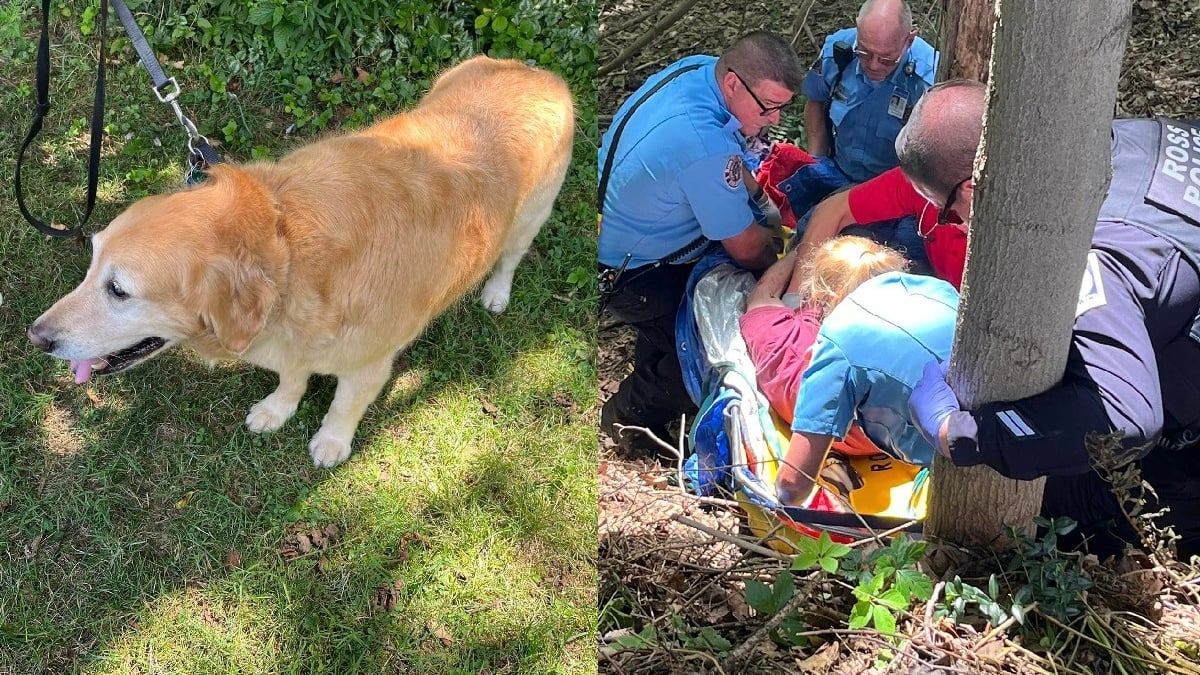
<point x="1041" y="173"/>
<point x="966" y="41"/>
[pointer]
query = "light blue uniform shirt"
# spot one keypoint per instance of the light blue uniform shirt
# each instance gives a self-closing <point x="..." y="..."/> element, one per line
<point x="678" y="170"/>
<point x="869" y="354"/>
<point x="866" y="115"/>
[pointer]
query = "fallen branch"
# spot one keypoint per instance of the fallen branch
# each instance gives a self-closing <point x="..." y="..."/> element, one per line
<point x="645" y="38"/>
<point x="736" y="541"/>
<point x="743" y="651"/>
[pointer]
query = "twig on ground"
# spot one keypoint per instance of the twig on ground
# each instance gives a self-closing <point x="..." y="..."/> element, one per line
<point x="646" y="38"/>
<point x="933" y="598"/>
<point x="736" y="541"/>
<point x="801" y="24"/>
<point x="744" y="650"/>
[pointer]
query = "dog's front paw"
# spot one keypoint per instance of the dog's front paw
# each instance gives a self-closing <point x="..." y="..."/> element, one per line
<point x="495" y="295"/>
<point x="328" y="450"/>
<point x="268" y="415"/>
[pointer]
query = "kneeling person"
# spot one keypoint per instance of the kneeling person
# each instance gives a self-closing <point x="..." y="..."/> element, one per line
<point x="868" y="356"/>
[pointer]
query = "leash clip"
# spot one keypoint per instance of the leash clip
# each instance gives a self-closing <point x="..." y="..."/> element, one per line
<point x="169" y="97"/>
<point x="188" y="126"/>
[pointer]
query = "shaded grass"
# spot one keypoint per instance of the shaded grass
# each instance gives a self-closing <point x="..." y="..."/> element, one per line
<point x="470" y="493"/>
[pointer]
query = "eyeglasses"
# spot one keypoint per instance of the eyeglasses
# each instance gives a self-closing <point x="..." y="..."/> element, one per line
<point x="944" y="214"/>
<point x="766" y="109"/>
<point x="865" y="55"/>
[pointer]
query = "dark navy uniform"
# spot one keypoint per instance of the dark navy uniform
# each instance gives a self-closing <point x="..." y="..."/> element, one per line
<point x="1134" y="363"/>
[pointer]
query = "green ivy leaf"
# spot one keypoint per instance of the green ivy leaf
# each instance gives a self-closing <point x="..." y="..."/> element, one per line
<point x="837" y="550"/>
<point x="785" y="588"/>
<point x="642" y="640"/>
<point x="915" y="584"/>
<point x="261" y="14"/>
<point x="860" y="614"/>
<point x="894" y="598"/>
<point x="713" y="640"/>
<point x="760" y="597"/>
<point x="282" y="37"/>
<point x="808" y="555"/>
<point x="885" y="621"/>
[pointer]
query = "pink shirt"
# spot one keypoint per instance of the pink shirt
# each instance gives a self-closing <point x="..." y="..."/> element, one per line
<point x="780" y="342"/>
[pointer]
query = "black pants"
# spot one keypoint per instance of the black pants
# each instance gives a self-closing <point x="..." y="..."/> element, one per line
<point x="653" y="394"/>
<point x="1087" y="498"/>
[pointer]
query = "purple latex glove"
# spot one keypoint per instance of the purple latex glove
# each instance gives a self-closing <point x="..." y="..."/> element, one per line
<point x="932" y="401"/>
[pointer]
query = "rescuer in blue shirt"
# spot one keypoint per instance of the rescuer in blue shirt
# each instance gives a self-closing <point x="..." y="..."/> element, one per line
<point x="854" y="113"/>
<point x="674" y="183"/>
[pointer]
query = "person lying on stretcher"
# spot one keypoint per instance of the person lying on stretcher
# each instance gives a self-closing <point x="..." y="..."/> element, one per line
<point x="838" y="340"/>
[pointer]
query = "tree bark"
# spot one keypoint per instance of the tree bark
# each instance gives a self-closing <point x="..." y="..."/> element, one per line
<point x="966" y="40"/>
<point x="1040" y="176"/>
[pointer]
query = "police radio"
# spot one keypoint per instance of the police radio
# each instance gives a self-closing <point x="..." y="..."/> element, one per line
<point x="843" y="54"/>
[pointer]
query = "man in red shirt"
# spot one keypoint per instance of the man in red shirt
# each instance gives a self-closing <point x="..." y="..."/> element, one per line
<point x="890" y="195"/>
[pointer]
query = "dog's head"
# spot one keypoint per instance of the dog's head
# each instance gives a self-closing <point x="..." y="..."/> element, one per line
<point x="195" y="266"/>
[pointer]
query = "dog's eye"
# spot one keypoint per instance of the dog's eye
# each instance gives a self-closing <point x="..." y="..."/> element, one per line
<point x="115" y="290"/>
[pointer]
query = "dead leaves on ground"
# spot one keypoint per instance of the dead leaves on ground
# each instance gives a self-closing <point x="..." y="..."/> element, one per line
<point x="387" y="596"/>
<point x="304" y="540"/>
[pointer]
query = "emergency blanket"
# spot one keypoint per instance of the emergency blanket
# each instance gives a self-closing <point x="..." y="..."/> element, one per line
<point x="736" y="440"/>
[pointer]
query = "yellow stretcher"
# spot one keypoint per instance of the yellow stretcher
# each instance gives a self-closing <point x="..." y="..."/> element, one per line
<point x="893" y="492"/>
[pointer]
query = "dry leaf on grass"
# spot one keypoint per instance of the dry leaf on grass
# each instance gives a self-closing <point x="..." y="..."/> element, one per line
<point x="233" y="559"/>
<point x="387" y="596"/>
<point x="491" y="409"/>
<point x="439" y="631"/>
<point x="306" y="539"/>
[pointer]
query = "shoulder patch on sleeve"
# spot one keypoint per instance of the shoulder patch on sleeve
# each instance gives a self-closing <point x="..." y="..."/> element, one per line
<point x="1091" y="291"/>
<point x="1016" y="425"/>
<point x="733" y="172"/>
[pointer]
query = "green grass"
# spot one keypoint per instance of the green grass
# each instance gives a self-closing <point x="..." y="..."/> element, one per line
<point x="470" y="494"/>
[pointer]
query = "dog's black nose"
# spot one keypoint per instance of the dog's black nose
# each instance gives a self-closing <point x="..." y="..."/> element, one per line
<point x="40" y="339"/>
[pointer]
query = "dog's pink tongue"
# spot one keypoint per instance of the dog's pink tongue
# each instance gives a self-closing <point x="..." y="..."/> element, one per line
<point x="82" y="369"/>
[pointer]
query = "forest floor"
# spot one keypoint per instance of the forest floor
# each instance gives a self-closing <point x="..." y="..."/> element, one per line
<point x="675" y="572"/>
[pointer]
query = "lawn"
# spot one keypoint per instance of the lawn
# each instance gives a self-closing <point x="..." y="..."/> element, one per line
<point x="143" y="529"/>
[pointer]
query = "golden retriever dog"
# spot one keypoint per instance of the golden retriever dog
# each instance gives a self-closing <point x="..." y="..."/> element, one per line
<point x="337" y="256"/>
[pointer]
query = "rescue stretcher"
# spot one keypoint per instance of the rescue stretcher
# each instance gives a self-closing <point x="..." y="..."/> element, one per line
<point x="737" y="442"/>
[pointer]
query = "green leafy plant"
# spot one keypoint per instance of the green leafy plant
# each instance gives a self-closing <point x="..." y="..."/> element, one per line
<point x="821" y="552"/>
<point x="768" y="599"/>
<point x="888" y="582"/>
<point x="1056" y="582"/>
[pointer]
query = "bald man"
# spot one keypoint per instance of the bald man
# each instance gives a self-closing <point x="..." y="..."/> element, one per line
<point x="1134" y="361"/>
<point x="941" y="208"/>
<point x="854" y="111"/>
<point x="861" y="91"/>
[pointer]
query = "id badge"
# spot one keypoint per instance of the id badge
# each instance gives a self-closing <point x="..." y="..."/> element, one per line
<point x="898" y="103"/>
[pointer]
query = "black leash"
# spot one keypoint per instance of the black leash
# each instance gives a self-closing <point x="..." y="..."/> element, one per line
<point x="42" y="87"/>
<point x="200" y="152"/>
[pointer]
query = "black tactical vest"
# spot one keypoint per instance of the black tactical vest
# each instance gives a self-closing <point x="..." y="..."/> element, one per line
<point x="1156" y="184"/>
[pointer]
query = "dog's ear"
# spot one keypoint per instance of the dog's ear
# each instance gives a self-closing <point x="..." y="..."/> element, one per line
<point x="236" y="299"/>
<point x="237" y="287"/>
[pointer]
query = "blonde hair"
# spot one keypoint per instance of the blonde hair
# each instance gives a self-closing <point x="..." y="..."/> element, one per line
<point x="835" y="268"/>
